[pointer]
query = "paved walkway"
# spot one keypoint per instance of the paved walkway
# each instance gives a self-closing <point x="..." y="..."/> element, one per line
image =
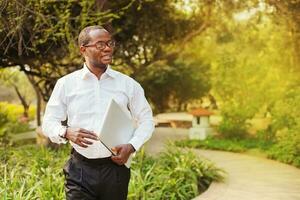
<point x="249" y="177"/>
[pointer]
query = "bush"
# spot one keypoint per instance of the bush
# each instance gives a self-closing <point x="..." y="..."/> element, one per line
<point x="174" y="175"/>
<point x="31" y="172"/>
<point x="286" y="126"/>
<point x="10" y="115"/>
<point x="287" y="149"/>
<point x="232" y="128"/>
<point x="211" y="143"/>
<point x="15" y="111"/>
<point x="3" y="132"/>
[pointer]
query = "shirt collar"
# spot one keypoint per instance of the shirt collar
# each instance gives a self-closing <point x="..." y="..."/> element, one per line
<point x="86" y="72"/>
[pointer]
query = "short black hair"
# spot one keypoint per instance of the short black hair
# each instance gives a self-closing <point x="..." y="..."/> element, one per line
<point x="84" y="37"/>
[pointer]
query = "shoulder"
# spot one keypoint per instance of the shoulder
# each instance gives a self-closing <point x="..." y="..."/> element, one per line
<point x="125" y="79"/>
<point x="69" y="78"/>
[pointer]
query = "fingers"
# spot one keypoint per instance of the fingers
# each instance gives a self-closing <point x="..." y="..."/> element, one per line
<point x="87" y="135"/>
<point x="83" y="142"/>
<point x="82" y="130"/>
<point x="117" y="149"/>
<point x="118" y="160"/>
<point x="86" y="141"/>
<point x="80" y="136"/>
<point x="122" y="155"/>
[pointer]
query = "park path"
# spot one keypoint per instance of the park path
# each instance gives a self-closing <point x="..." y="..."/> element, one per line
<point x="249" y="177"/>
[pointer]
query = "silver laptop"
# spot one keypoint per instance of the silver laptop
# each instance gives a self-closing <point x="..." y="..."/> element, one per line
<point x="117" y="128"/>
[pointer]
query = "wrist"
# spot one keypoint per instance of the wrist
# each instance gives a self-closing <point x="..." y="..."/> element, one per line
<point x="132" y="148"/>
<point x="63" y="134"/>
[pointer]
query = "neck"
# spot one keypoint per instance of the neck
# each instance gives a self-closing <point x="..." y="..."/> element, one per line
<point x="97" y="69"/>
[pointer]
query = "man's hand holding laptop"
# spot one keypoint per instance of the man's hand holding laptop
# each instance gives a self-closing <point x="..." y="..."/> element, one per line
<point x="79" y="135"/>
<point x="120" y="153"/>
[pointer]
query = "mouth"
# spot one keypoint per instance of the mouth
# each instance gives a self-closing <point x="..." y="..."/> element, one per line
<point x="107" y="57"/>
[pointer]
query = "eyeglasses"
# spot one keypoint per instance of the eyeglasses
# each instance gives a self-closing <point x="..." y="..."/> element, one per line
<point x="101" y="44"/>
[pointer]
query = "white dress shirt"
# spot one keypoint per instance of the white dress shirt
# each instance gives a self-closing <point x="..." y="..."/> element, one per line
<point x="82" y="99"/>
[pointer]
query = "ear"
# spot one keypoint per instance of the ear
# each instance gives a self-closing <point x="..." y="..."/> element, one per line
<point x="82" y="49"/>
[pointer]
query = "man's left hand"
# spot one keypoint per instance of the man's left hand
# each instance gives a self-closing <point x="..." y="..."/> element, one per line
<point x="123" y="152"/>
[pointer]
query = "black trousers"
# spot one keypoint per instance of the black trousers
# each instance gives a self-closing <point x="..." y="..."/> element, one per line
<point x="91" y="179"/>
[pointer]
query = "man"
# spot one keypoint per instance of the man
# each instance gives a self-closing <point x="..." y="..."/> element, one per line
<point x="93" y="172"/>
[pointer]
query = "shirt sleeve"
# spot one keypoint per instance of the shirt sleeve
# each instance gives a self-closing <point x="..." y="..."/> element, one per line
<point x="141" y="111"/>
<point x="55" y="113"/>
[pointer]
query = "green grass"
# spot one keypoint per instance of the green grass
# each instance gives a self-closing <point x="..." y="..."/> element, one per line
<point x="31" y="172"/>
<point x="233" y="145"/>
<point x="286" y="152"/>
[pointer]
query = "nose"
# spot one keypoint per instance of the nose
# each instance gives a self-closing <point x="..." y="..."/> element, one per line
<point x="107" y="48"/>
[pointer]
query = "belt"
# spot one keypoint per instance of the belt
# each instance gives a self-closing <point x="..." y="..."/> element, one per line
<point x="95" y="161"/>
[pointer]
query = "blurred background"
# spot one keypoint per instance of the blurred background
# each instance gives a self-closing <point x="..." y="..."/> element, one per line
<point x="238" y="60"/>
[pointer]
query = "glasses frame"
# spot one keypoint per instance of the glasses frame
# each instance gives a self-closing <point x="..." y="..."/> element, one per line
<point x="106" y="44"/>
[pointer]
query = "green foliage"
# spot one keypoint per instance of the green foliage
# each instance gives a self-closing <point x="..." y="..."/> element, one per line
<point x="3" y="133"/>
<point x="13" y="78"/>
<point x="286" y="127"/>
<point x="211" y="143"/>
<point x="15" y="111"/>
<point x="143" y="41"/>
<point x="233" y="126"/>
<point x="287" y="149"/>
<point x="266" y="135"/>
<point x="250" y="70"/>
<point x="30" y="172"/>
<point x="180" y="81"/>
<point x="174" y="175"/>
<point x="33" y="173"/>
<point x="11" y="121"/>
<point x="40" y="37"/>
<point x="233" y="145"/>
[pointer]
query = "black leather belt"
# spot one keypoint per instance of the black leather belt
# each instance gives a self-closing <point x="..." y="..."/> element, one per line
<point x="94" y="161"/>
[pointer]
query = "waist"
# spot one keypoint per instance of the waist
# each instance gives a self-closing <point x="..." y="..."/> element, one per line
<point x="94" y="161"/>
<point x="96" y="150"/>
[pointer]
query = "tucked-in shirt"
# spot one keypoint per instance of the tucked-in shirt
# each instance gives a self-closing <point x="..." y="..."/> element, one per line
<point x="82" y="99"/>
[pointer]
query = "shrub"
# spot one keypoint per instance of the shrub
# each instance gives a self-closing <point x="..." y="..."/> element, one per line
<point x="31" y="172"/>
<point x="10" y="123"/>
<point x="287" y="149"/>
<point x="15" y="111"/>
<point x="286" y="126"/>
<point x="232" y="128"/>
<point x="211" y="143"/>
<point x="174" y="175"/>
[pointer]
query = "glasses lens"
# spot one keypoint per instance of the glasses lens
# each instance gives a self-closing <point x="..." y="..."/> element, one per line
<point x="100" y="45"/>
<point x="111" y="43"/>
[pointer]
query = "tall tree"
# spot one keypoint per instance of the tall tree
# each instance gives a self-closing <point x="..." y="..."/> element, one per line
<point x="40" y="36"/>
<point x="287" y="13"/>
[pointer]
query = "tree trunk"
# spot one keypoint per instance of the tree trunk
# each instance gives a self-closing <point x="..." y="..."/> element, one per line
<point x="38" y="98"/>
<point x="23" y="102"/>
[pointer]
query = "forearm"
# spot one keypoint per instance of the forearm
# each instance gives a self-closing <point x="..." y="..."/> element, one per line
<point x="142" y="134"/>
<point x="55" y="113"/>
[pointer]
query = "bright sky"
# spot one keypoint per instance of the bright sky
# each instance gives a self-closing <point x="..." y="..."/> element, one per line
<point x="247" y="14"/>
<point x="187" y="6"/>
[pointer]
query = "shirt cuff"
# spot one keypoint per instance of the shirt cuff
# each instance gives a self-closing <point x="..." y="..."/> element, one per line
<point x="136" y="143"/>
<point x="59" y="132"/>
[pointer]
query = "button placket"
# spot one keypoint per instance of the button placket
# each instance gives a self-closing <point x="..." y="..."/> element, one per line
<point x="98" y="103"/>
